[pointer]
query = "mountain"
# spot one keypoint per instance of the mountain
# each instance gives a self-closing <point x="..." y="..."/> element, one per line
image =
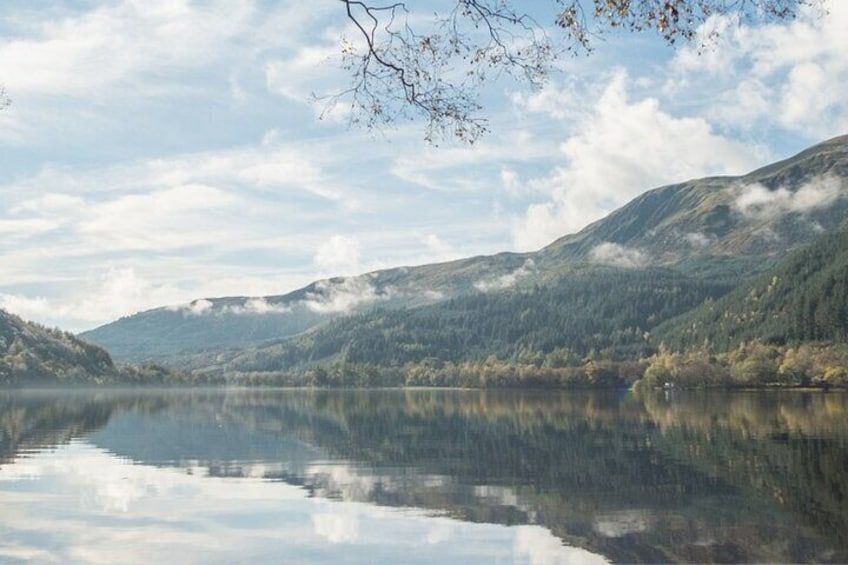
<point x="214" y="324"/>
<point x="30" y="353"/>
<point x="599" y="310"/>
<point x="722" y="226"/>
<point x="699" y="238"/>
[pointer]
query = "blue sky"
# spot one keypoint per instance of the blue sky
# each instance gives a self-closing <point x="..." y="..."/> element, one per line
<point x="161" y="151"/>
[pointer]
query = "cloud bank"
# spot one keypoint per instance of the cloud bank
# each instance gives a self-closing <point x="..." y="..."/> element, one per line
<point x="343" y="295"/>
<point x="616" y="255"/>
<point x="758" y="202"/>
<point x="507" y="280"/>
<point x="620" y="149"/>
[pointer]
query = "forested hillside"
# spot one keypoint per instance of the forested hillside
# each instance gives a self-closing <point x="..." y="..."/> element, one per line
<point x="33" y="353"/>
<point x="717" y="231"/>
<point x="596" y="327"/>
<point x="216" y="324"/>
<point x="597" y="310"/>
<point x="804" y="299"/>
<point x="715" y="281"/>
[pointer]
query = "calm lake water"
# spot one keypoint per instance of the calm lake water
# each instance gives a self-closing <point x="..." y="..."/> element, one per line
<point x="422" y="476"/>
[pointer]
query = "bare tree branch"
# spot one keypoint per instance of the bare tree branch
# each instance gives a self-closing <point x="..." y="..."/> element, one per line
<point x="403" y="69"/>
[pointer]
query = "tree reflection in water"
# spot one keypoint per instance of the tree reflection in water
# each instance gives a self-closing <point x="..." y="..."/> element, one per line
<point x="683" y="477"/>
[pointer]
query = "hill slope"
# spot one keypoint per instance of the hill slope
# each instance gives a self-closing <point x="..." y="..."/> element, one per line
<point x="597" y="309"/>
<point x="719" y="229"/>
<point x="805" y="298"/>
<point x="208" y="325"/>
<point x="30" y="353"/>
<point x="724" y="222"/>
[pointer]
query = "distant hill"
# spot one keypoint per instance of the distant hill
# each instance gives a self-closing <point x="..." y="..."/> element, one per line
<point x="597" y="309"/>
<point x="30" y="353"/>
<point x="215" y="324"/>
<point x="33" y="355"/>
<point x="704" y="236"/>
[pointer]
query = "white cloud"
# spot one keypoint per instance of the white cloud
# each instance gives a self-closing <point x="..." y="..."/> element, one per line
<point x="26" y="307"/>
<point x="271" y="165"/>
<point x="757" y="201"/>
<point x="538" y="546"/>
<point x="196" y="307"/>
<point x="510" y="180"/>
<point x="50" y="203"/>
<point x="698" y="239"/>
<point x="25" y="228"/>
<point x="343" y="295"/>
<point x="623" y="148"/>
<point x="296" y="77"/>
<point x="115" y="292"/>
<point x="616" y="255"/>
<point x="216" y="200"/>
<point x="792" y="75"/>
<point x="436" y="245"/>
<point x="339" y="255"/>
<point x="250" y="306"/>
<point x="461" y="168"/>
<point x="175" y="217"/>
<point x="259" y="305"/>
<point x="507" y="280"/>
<point x="81" y="53"/>
<point x="434" y="295"/>
<point x="99" y="67"/>
<point x="336" y="527"/>
<point x="438" y="250"/>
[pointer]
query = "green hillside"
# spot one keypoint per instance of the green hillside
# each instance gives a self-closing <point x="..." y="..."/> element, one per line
<point x="719" y="219"/>
<point x="207" y="325"/>
<point x="804" y="299"/>
<point x="597" y="309"/>
<point x="34" y="355"/>
<point x="30" y="353"/>
<point x="593" y="294"/>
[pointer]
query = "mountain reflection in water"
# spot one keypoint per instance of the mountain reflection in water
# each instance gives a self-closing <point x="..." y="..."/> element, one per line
<point x="423" y="475"/>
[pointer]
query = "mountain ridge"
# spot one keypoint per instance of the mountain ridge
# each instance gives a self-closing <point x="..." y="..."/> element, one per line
<point x="717" y="228"/>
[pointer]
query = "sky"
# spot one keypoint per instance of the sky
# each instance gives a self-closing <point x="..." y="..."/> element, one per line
<point x="158" y="152"/>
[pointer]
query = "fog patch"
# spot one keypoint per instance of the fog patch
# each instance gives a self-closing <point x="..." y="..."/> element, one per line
<point x="342" y="295"/>
<point x="257" y="305"/>
<point x="199" y="307"/>
<point x="507" y="280"/>
<point x="615" y="255"/>
<point x="434" y="295"/>
<point x="756" y="201"/>
<point x="698" y="239"/>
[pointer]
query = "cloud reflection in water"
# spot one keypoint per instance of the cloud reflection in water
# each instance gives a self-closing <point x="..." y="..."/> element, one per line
<point x="79" y="503"/>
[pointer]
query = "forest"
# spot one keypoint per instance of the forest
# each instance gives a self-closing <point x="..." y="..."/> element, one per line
<point x="601" y="327"/>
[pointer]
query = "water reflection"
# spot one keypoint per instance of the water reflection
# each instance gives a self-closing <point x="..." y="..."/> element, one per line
<point x="423" y="475"/>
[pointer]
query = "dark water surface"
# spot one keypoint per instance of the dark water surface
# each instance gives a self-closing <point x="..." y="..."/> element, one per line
<point x="422" y="476"/>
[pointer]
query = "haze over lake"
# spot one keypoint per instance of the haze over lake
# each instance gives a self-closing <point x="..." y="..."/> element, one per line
<point x="422" y="476"/>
